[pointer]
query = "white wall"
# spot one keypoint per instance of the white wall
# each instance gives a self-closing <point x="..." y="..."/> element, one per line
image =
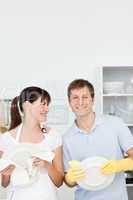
<point x="49" y="43"/>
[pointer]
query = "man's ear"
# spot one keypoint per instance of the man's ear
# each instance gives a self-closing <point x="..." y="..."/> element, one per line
<point x="93" y="100"/>
<point x="69" y="102"/>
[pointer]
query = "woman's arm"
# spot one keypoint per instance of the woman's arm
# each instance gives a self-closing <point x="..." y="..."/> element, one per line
<point x="5" y="175"/>
<point x="55" y="169"/>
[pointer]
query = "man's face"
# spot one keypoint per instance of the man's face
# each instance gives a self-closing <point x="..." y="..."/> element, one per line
<point x="81" y="101"/>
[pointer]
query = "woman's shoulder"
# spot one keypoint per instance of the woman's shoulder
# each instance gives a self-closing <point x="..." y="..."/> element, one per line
<point x="5" y="137"/>
<point x="13" y="132"/>
<point x="54" y="138"/>
<point x="53" y="132"/>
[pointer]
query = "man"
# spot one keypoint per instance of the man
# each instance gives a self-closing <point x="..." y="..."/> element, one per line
<point x="91" y="135"/>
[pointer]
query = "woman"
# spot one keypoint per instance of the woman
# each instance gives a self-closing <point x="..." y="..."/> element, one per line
<point x="33" y="105"/>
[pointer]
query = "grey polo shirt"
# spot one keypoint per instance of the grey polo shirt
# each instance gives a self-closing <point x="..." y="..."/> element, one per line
<point x="108" y="138"/>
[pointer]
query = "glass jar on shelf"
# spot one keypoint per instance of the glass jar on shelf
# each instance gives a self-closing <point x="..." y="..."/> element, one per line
<point x="112" y="109"/>
<point x="124" y="108"/>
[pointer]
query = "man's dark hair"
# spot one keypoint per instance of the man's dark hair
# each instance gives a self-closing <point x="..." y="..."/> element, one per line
<point x="80" y="83"/>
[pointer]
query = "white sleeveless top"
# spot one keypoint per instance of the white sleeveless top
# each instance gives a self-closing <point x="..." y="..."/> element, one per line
<point x="43" y="188"/>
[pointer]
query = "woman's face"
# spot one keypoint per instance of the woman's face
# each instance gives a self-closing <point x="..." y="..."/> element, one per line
<point x="39" y="110"/>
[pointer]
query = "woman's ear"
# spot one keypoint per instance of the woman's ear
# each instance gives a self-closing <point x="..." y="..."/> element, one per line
<point x="26" y="105"/>
<point x="1" y="153"/>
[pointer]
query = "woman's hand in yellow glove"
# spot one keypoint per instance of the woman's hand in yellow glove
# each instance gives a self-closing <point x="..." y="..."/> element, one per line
<point x="113" y="166"/>
<point x="75" y="172"/>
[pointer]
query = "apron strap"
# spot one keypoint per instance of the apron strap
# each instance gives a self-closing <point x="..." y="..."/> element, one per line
<point x="19" y="132"/>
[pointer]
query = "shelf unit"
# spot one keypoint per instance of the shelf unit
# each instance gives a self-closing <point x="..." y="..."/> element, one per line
<point x="118" y="103"/>
<point x="5" y="105"/>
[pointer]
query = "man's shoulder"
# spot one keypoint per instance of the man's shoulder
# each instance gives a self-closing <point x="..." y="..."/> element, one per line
<point x="112" y="119"/>
<point x="68" y="134"/>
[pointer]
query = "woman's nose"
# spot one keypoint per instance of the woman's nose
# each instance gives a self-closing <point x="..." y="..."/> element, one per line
<point x="46" y="108"/>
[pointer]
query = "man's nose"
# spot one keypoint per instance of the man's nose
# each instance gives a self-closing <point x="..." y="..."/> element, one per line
<point x="80" y="101"/>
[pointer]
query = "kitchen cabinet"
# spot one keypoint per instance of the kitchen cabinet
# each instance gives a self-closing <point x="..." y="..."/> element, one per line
<point x="5" y="105"/>
<point x="117" y="100"/>
<point x="117" y="92"/>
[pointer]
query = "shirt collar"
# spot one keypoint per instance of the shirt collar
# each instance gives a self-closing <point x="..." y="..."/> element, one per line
<point x="98" y="121"/>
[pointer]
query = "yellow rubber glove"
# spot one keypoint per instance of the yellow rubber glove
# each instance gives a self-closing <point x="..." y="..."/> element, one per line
<point x="113" y="166"/>
<point x="75" y="172"/>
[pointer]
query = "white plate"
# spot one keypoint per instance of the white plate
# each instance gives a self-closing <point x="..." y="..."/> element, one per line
<point x="21" y="153"/>
<point x="5" y="163"/>
<point x="22" y="156"/>
<point x="95" y="180"/>
<point x="48" y="156"/>
<point x="21" y="178"/>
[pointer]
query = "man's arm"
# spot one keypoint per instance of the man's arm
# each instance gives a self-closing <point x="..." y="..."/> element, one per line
<point x="72" y="184"/>
<point x="130" y="152"/>
<point x="74" y="174"/>
<point x="113" y="166"/>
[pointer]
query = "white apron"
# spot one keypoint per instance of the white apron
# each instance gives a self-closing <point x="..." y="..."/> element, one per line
<point x="42" y="189"/>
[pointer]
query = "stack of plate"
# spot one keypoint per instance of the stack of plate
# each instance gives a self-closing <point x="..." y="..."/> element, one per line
<point x="113" y="87"/>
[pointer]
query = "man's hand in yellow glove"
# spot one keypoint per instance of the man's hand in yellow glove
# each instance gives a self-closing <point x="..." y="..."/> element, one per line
<point x="75" y="172"/>
<point x="113" y="166"/>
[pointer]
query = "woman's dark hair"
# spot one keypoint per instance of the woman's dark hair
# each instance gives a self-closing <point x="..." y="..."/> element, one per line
<point x="30" y="94"/>
<point x="80" y="83"/>
<point x="14" y="114"/>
